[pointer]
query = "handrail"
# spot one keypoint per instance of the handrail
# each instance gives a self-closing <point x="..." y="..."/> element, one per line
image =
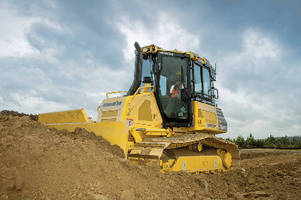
<point x="108" y="93"/>
<point x="143" y="87"/>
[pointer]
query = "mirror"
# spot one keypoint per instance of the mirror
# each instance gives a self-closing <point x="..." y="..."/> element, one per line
<point x="214" y="92"/>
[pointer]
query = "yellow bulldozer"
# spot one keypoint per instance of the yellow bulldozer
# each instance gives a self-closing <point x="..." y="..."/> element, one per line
<point x="169" y="115"/>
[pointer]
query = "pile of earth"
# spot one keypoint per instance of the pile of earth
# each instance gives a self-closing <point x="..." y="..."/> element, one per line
<point x="14" y="113"/>
<point x="41" y="163"/>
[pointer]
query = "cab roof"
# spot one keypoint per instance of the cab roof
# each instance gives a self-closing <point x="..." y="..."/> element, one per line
<point x="153" y="49"/>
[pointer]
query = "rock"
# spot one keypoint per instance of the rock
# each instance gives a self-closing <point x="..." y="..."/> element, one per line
<point x="82" y="167"/>
<point x="10" y="184"/>
<point x="292" y="173"/>
<point x="239" y="196"/>
<point x="127" y="195"/>
<point x="251" y="180"/>
<point x="19" y="182"/>
<point x="204" y="185"/>
<point x="3" y="197"/>
<point x="280" y="173"/>
<point x="8" y="173"/>
<point x="244" y="173"/>
<point x="191" y="194"/>
<point x="256" y="194"/>
<point x="92" y="196"/>
<point x="226" y="188"/>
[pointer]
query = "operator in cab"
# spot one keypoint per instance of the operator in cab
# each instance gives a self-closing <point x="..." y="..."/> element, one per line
<point x="175" y="88"/>
<point x="175" y="107"/>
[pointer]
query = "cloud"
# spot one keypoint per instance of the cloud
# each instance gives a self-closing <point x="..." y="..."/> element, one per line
<point x="56" y="55"/>
<point x="30" y="101"/>
<point x="259" y="46"/>
<point x="166" y="33"/>
<point x="248" y="79"/>
<point x="71" y="65"/>
<point x="13" y="41"/>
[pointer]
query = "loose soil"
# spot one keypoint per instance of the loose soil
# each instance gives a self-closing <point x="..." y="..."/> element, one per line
<point x="41" y="163"/>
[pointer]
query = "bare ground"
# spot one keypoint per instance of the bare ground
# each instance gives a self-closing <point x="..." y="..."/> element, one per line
<point x="41" y="163"/>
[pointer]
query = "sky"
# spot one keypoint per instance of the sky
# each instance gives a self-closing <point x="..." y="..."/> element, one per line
<point x="59" y="55"/>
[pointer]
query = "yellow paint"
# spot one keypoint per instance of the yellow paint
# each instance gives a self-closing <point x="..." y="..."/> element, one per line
<point x="127" y="124"/>
<point x="111" y="109"/>
<point x="226" y="157"/>
<point x="198" y="164"/>
<point x="152" y="49"/>
<point x="70" y="116"/>
<point x="116" y="133"/>
<point x="205" y="118"/>
<point x="134" y="103"/>
<point x="116" y="92"/>
<point x="200" y="147"/>
<point x="131" y="121"/>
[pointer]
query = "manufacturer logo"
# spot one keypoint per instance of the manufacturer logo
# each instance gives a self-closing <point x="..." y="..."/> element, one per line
<point x="167" y="53"/>
<point x="116" y="103"/>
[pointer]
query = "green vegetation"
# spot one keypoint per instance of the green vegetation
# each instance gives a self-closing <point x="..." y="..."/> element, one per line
<point x="270" y="142"/>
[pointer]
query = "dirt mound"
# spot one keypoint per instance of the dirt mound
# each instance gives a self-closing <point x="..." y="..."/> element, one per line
<point x="14" y="113"/>
<point x="41" y="163"/>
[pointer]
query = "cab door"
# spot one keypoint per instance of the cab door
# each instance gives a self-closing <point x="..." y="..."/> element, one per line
<point x="172" y="89"/>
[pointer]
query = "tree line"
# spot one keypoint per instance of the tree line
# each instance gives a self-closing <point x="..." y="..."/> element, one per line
<point x="269" y="142"/>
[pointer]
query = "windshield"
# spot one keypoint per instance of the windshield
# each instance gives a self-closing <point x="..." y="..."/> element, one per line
<point x="206" y="81"/>
<point x="202" y="81"/>
<point x="197" y="79"/>
<point x="147" y="66"/>
<point x="173" y="84"/>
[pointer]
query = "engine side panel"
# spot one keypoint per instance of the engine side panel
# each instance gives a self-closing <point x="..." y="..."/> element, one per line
<point x="208" y="118"/>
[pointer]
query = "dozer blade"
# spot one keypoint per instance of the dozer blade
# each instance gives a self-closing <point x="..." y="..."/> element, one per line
<point x="116" y="133"/>
<point x="69" y="116"/>
<point x="175" y="156"/>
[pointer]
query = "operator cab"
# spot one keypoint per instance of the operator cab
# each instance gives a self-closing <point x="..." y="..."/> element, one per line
<point x="178" y="80"/>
